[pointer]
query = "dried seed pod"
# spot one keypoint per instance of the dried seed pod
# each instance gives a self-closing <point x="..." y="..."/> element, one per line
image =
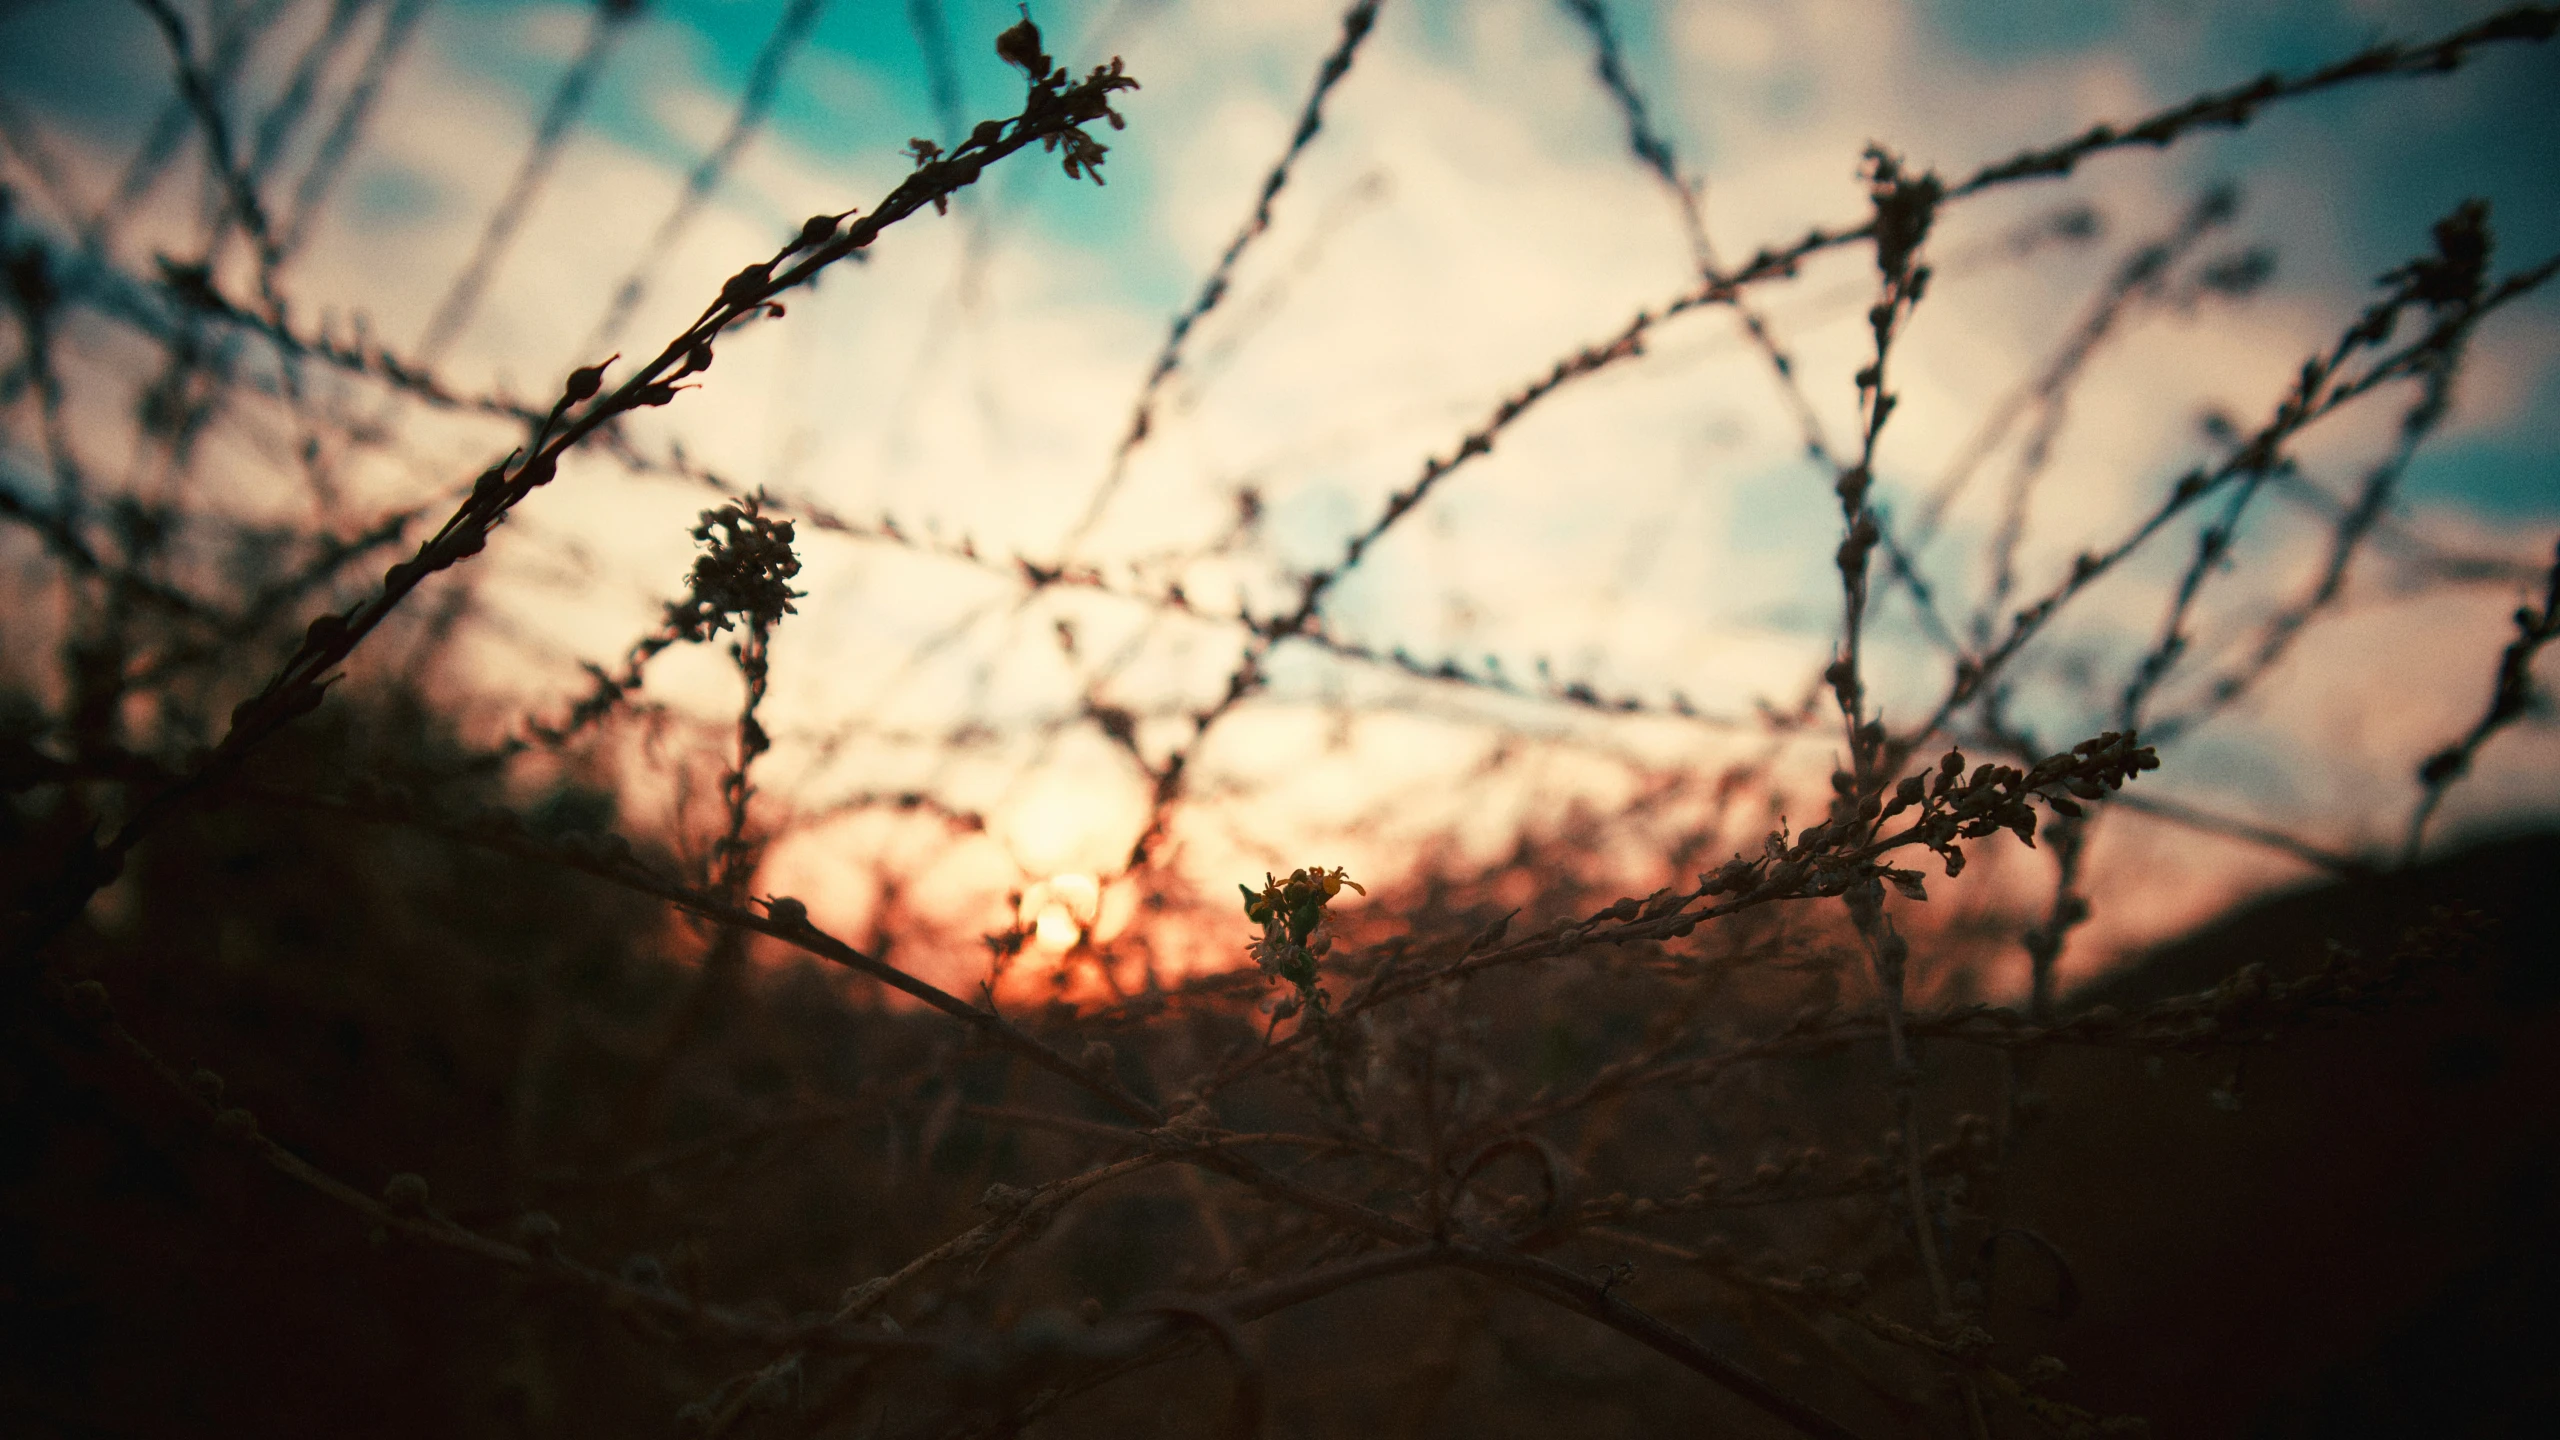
<point x="815" y="231"/>
<point x="586" y="380"/>
<point x="747" y="286"/>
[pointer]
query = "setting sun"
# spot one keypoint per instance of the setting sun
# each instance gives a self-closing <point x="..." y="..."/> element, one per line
<point x="1060" y="910"/>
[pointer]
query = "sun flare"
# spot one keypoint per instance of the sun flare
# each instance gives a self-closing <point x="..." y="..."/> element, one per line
<point x="1061" y="910"/>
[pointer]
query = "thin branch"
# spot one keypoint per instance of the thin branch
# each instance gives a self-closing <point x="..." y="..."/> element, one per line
<point x="2509" y="699"/>
<point x="606" y="28"/>
<point x="1357" y="22"/>
<point x="764" y="81"/>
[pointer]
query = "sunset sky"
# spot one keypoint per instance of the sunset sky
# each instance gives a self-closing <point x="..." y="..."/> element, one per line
<point x="1469" y="214"/>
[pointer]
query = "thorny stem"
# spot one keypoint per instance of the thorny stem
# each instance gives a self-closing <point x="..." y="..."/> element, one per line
<point x="2139" y="277"/>
<point x="1887" y="955"/>
<point x="2143" y="276"/>
<point x="2067" y="836"/>
<point x="1653" y="151"/>
<point x="1906" y="206"/>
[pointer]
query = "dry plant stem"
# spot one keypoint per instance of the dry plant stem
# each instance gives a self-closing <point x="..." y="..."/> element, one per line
<point x="1051" y="114"/>
<point x="1036" y="576"/>
<point x="1598" y="1302"/>
<point x="1357" y="22"/>
<point x="1887" y="954"/>
<point x="2449" y="286"/>
<point x="2067" y="838"/>
<point x="733" y="861"/>
<point x="275" y="129"/>
<point x="2509" y="698"/>
<point x="2137" y="279"/>
<point x="1653" y="151"/>
<point x="2321" y="390"/>
<point x="1906" y="206"/>
<point x="734" y="854"/>
<point x="311" y="193"/>
<point x="2225" y="109"/>
<point x="2353" y="527"/>
<point x="1538" y="1277"/>
<point x="2237" y="106"/>
<point x="242" y="190"/>
<point x="1544" y="1278"/>
<point x="1253" y="1303"/>
<point x="1655" y="154"/>
<point x="764" y="80"/>
<point x="2140" y="279"/>
<point x="453" y="313"/>
<point x="2423" y="556"/>
<point x="2531" y="24"/>
<point x="1023" y="1211"/>
<point x="1966" y="1349"/>
<point x="1760" y="883"/>
<point x="2178" y="813"/>
<point x="191" y="290"/>
<point x="232" y="35"/>
<point x="1268" y="633"/>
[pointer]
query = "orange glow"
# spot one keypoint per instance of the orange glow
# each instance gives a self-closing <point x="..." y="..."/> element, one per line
<point x="1061" y="910"/>
<point x="1056" y="929"/>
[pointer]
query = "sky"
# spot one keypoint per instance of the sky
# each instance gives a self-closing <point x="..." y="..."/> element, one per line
<point x="1469" y="213"/>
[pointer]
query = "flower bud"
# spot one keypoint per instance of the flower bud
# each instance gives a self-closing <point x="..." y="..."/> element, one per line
<point x="585" y="381"/>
